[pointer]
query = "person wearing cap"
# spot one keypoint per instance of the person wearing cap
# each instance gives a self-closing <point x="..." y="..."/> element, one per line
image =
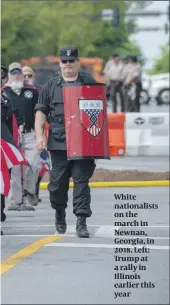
<point x="13" y="114"/>
<point x="24" y="98"/>
<point x="50" y="105"/>
<point x="112" y="74"/>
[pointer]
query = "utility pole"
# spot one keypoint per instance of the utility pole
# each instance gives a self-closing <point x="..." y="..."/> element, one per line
<point x="114" y="16"/>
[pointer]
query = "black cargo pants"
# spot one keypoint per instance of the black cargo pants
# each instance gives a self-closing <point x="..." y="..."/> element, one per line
<point x="3" y="216"/>
<point x="137" y="99"/>
<point x="81" y="171"/>
<point x="115" y="87"/>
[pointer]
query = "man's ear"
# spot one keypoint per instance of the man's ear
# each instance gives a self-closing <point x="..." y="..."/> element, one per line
<point x="78" y="60"/>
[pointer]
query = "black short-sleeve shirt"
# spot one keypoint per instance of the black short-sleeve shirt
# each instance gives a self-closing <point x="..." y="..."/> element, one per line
<point x="52" y="93"/>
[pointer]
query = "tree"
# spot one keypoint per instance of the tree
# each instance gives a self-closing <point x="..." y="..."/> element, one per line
<point x="19" y="31"/>
<point x="161" y="64"/>
<point x="36" y="28"/>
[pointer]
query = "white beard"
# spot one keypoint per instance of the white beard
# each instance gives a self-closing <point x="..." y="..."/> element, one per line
<point x="16" y="85"/>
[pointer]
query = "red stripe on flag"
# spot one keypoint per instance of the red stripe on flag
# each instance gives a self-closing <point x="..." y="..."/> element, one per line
<point x="14" y="155"/>
<point x="5" y="176"/>
<point x="15" y="130"/>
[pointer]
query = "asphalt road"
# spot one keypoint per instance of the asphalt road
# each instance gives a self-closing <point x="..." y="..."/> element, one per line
<point x="146" y="163"/>
<point x="81" y="271"/>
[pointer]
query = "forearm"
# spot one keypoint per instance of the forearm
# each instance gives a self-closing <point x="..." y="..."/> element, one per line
<point x="19" y="118"/>
<point x="40" y="120"/>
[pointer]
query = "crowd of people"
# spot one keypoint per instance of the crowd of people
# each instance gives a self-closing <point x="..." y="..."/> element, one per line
<point x="27" y="110"/>
<point x="19" y="97"/>
<point x="123" y="78"/>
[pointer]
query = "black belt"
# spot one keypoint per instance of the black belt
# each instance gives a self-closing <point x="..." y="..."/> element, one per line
<point x="27" y="130"/>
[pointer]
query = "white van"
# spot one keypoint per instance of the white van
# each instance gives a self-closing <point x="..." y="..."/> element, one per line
<point x="160" y="88"/>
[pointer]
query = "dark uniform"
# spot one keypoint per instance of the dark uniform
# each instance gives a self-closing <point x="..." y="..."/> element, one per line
<point x="6" y="122"/>
<point x="24" y="100"/>
<point x="51" y="104"/>
<point x="6" y="111"/>
<point x="4" y="75"/>
<point x="23" y="105"/>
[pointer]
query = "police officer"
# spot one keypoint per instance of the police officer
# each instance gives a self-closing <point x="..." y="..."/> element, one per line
<point x="125" y="72"/>
<point x="24" y="98"/>
<point x="137" y="78"/>
<point x="112" y="77"/>
<point x="131" y="76"/>
<point x="50" y="106"/>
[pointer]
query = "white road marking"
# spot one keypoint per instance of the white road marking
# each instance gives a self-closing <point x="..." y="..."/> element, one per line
<point x="72" y="235"/>
<point x="5" y="225"/>
<point x="96" y="231"/>
<point x="106" y="246"/>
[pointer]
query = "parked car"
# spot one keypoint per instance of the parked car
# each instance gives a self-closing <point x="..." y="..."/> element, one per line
<point x="146" y="84"/>
<point x="160" y="88"/>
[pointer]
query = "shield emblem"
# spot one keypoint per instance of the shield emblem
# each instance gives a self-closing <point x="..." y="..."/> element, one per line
<point x="68" y="52"/>
<point x="28" y="94"/>
<point x="91" y="115"/>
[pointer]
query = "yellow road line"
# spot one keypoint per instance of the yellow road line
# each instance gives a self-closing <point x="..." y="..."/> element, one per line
<point x="18" y="257"/>
<point x="43" y="185"/>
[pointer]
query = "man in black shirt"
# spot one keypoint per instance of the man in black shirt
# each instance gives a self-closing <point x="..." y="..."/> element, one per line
<point x="24" y="98"/>
<point x="4" y="75"/>
<point x="50" y="106"/>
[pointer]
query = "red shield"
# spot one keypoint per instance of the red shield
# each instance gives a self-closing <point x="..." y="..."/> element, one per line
<point x="68" y="52"/>
<point x="91" y="115"/>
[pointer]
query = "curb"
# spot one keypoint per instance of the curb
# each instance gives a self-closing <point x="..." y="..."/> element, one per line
<point x="43" y="185"/>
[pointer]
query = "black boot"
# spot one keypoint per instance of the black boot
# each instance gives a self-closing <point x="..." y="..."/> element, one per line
<point x="60" y="221"/>
<point x="3" y="216"/>
<point x="81" y="227"/>
<point x="38" y="188"/>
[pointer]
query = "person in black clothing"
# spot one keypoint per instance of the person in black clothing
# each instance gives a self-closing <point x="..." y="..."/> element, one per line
<point x="4" y="115"/>
<point x="50" y="106"/>
<point x="7" y="112"/>
<point x="24" y="98"/>
<point x="4" y="75"/>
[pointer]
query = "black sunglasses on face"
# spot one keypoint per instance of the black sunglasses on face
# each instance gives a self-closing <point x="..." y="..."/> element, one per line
<point x="70" y="61"/>
<point x="28" y="75"/>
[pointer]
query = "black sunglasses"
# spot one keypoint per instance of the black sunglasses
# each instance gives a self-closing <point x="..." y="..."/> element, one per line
<point x="70" y="61"/>
<point x="28" y="75"/>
